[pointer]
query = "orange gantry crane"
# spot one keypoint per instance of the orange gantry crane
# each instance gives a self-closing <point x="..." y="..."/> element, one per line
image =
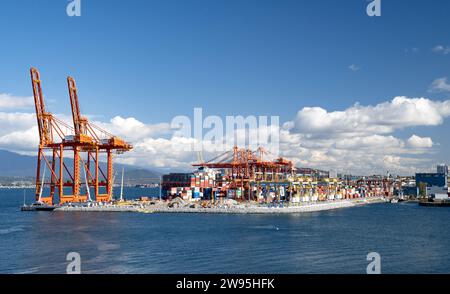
<point x="52" y="139"/>
<point x="57" y="137"/>
<point x="245" y="164"/>
<point x="102" y="142"/>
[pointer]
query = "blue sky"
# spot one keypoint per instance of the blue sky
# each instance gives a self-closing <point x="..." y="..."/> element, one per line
<point x="153" y="60"/>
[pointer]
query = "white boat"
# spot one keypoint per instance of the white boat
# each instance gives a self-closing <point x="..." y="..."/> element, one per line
<point x="38" y="206"/>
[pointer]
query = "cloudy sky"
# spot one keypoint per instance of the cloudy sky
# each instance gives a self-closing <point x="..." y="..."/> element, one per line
<point x="354" y="94"/>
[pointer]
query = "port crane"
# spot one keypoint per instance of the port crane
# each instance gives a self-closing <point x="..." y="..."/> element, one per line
<point x="99" y="141"/>
<point x="57" y="138"/>
<point x="247" y="164"/>
<point x="53" y="145"/>
<point x="244" y="166"/>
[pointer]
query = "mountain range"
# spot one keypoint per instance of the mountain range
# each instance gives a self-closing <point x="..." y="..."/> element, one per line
<point x="24" y="166"/>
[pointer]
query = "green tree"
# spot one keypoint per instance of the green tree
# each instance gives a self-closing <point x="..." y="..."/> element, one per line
<point x="422" y="189"/>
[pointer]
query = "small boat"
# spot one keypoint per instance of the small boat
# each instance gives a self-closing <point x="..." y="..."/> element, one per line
<point x="38" y="206"/>
<point x="394" y="200"/>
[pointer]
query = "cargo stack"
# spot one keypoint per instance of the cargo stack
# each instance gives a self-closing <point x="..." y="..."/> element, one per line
<point x="204" y="178"/>
<point x="197" y="185"/>
<point x="176" y="185"/>
<point x="215" y="183"/>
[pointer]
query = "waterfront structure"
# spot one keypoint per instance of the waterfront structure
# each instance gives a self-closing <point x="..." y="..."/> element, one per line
<point x="99" y="141"/>
<point x="435" y="185"/>
<point x="313" y="173"/>
<point x="442" y="169"/>
<point x="243" y="175"/>
<point x="56" y="138"/>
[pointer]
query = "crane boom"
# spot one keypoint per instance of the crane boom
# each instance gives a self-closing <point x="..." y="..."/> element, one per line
<point x="80" y="123"/>
<point x="74" y="105"/>
<point x="41" y="115"/>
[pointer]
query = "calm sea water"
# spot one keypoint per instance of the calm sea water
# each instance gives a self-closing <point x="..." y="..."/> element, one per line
<point x="409" y="238"/>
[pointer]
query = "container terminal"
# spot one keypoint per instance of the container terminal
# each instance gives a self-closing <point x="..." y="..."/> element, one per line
<point x="238" y="178"/>
<point x="244" y="175"/>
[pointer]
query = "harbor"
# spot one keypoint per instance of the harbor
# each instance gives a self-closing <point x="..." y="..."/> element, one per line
<point x="328" y="241"/>
<point x="240" y="180"/>
<point x="221" y="145"/>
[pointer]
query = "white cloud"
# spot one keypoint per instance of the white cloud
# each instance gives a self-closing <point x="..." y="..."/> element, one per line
<point x="441" y="49"/>
<point x="374" y="141"/>
<point x="160" y="152"/>
<point x="353" y="67"/>
<point x="413" y="50"/>
<point x="13" y="121"/>
<point x="132" y="129"/>
<point x="382" y="118"/>
<point x="358" y="140"/>
<point x="440" y="85"/>
<point x="8" y="101"/>
<point x="23" y="140"/>
<point x="419" y="142"/>
<point x="387" y="154"/>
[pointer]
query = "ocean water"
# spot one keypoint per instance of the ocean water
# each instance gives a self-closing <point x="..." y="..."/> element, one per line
<point x="409" y="238"/>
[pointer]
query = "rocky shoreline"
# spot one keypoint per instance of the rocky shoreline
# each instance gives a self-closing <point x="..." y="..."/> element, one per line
<point x="226" y="209"/>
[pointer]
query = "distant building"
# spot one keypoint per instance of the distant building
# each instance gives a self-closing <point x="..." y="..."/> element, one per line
<point x="333" y="174"/>
<point x="310" y="172"/>
<point x="432" y="179"/>
<point x="409" y="191"/>
<point x="442" y="169"/>
<point x="436" y="184"/>
<point x="345" y="177"/>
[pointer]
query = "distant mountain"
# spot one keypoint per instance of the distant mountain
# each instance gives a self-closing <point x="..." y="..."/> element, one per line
<point x="23" y="166"/>
<point x="16" y="165"/>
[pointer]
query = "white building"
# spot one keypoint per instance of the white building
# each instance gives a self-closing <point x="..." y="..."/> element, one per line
<point x="442" y="169"/>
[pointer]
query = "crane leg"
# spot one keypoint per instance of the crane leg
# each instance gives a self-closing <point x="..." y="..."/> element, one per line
<point x="110" y="174"/>
<point x="38" y="173"/>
